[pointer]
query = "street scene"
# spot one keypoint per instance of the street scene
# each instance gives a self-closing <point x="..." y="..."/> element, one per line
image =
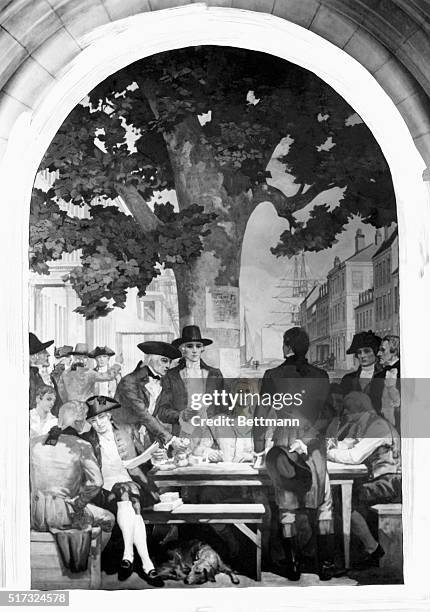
<point x="214" y="334"/>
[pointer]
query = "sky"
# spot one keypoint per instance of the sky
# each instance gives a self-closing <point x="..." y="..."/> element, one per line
<point x="262" y="272"/>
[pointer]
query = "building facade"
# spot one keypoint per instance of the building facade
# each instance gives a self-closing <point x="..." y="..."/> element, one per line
<point x="364" y="312"/>
<point x="386" y="285"/>
<point x="346" y="280"/>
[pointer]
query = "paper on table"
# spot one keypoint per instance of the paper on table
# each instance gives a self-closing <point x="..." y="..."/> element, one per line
<point x="142" y="458"/>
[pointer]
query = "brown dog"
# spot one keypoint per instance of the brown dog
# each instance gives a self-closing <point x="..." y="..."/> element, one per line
<point x="194" y="562"/>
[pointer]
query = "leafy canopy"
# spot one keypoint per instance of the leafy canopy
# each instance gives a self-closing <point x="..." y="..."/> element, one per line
<point x="122" y="139"/>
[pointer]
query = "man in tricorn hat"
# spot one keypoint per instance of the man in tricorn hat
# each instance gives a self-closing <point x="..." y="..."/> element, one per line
<point x="102" y="355"/>
<point x="39" y="357"/>
<point x="369" y="376"/>
<point x="63" y="361"/>
<point x="296" y="463"/>
<point x="192" y="376"/>
<point x="139" y="393"/>
<point x="78" y="383"/>
<point x="125" y="491"/>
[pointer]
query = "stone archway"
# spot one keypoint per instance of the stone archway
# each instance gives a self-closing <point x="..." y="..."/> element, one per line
<point x="108" y="50"/>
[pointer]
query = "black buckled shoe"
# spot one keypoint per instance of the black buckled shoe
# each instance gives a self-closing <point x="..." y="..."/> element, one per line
<point x="328" y="570"/>
<point x="372" y="559"/>
<point x="152" y="578"/>
<point x="125" y="569"/>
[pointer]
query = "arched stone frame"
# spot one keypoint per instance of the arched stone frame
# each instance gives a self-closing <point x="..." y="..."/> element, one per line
<point x="112" y="47"/>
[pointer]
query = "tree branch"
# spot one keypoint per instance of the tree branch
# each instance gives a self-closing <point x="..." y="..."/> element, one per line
<point x="140" y="210"/>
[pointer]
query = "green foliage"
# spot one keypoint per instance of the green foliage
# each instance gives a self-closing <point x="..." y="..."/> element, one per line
<point x="132" y="126"/>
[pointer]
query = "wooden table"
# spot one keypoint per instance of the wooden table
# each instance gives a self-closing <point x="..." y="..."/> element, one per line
<point x="243" y="474"/>
<point x="344" y="475"/>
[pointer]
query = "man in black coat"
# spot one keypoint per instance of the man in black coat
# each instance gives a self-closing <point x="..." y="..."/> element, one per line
<point x="369" y="377"/>
<point x="296" y="463"/>
<point x="192" y="376"/>
<point x="138" y="394"/>
<point x="39" y="357"/>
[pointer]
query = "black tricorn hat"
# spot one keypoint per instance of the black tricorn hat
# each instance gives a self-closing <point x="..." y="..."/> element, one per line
<point x="36" y="346"/>
<point x="97" y="404"/>
<point x="101" y="350"/>
<point x="153" y="347"/>
<point x="289" y="469"/>
<point x="191" y="333"/>
<point x="364" y="340"/>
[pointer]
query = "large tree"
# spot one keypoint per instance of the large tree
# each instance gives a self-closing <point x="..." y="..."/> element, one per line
<point x="142" y="131"/>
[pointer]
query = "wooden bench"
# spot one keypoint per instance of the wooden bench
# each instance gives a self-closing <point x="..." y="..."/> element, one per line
<point x="47" y="568"/>
<point x="390" y="537"/>
<point x="236" y="514"/>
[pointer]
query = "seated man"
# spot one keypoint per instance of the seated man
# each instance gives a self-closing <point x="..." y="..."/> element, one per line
<point x="124" y="491"/>
<point x="366" y="437"/>
<point x="65" y="477"/>
<point x="41" y="417"/>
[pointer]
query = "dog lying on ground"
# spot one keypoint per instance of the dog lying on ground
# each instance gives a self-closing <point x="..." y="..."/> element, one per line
<point x="194" y="562"/>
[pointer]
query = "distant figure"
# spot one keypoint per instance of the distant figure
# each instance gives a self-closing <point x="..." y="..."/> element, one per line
<point x="102" y="355"/>
<point x="79" y="382"/>
<point x="331" y="361"/>
<point x="63" y="357"/>
<point x="41" y="417"/>
<point x="389" y="358"/>
<point x="39" y="357"/>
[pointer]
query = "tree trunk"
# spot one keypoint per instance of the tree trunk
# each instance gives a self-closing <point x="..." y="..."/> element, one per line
<point x="208" y="288"/>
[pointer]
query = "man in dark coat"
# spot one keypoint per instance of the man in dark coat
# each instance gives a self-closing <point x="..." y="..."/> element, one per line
<point x="296" y="463"/>
<point x="369" y="377"/>
<point x="39" y="357"/>
<point x="191" y="377"/>
<point x="138" y="394"/>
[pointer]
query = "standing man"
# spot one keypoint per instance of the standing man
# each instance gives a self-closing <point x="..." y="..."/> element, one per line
<point x="124" y="491"/>
<point x="102" y="355"/>
<point x="138" y="394"/>
<point x="369" y="376"/>
<point x="389" y="358"/>
<point x="192" y="376"/>
<point x="39" y="357"/>
<point x="296" y="463"/>
<point x="79" y="382"/>
<point x="63" y="356"/>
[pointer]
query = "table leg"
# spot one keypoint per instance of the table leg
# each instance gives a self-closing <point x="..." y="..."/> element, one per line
<point x="258" y="545"/>
<point x="346" y="489"/>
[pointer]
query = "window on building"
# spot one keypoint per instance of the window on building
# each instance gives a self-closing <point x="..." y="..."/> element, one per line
<point x="357" y="280"/>
<point x="384" y="306"/>
<point x="396" y="298"/>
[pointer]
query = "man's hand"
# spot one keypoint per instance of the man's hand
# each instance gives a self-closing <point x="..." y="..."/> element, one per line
<point x="187" y="413"/>
<point x="346" y="444"/>
<point x="298" y="447"/>
<point x="179" y="444"/>
<point x="214" y="456"/>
